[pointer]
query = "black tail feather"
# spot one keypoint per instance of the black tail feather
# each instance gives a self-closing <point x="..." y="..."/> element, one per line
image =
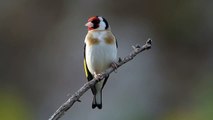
<point x="95" y="104"/>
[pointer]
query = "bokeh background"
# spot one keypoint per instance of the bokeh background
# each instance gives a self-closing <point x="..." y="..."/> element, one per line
<point x="41" y="63"/>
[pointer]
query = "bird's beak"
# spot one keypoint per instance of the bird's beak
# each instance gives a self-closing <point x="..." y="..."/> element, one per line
<point x="89" y="24"/>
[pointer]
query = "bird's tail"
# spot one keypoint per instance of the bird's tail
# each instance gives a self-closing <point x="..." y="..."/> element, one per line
<point x="97" y="100"/>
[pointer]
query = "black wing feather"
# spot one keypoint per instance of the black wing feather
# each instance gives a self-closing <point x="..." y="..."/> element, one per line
<point x="87" y="72"/>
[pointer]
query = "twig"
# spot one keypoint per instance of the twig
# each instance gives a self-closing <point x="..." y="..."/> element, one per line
<point x="75" y="97"/>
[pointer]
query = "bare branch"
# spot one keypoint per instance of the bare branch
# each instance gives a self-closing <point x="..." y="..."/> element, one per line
<point x="75" y="97"/>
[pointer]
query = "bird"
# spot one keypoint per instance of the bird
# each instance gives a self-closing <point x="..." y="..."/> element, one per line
<point x="100" y="53"/>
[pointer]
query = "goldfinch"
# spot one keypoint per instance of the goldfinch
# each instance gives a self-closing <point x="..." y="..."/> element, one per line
<point x="100" y="52"/>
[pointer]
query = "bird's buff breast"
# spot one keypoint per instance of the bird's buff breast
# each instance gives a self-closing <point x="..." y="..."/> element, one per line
<point x="99" y="57"/>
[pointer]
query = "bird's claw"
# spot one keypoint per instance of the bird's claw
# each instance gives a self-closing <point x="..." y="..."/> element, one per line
<point x="99" y="77"/>
<point x="114" y="65"/>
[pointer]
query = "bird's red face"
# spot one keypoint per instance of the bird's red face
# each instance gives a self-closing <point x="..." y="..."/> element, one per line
<point x="97" y="23"/>
<point x="93" y="23"/>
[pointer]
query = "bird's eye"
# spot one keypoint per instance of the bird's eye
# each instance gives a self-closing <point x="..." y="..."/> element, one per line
<point x="96" y="21"/>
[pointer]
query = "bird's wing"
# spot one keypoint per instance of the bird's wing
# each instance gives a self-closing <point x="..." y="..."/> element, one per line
<point x="116" y="43"/>
<point x="87" y="72"/>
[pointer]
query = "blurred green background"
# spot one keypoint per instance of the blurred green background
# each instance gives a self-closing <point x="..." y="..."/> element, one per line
<point x="41" y="61"/>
